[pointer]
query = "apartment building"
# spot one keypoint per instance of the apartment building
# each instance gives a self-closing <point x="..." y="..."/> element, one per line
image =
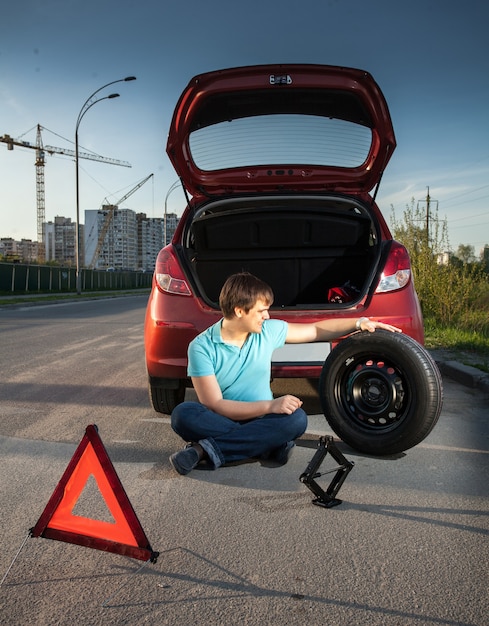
<point x="23" y="251"/>
<point x="60" y="240"/>
<point x="111" y="240"/>
<point x="153" y="234"/>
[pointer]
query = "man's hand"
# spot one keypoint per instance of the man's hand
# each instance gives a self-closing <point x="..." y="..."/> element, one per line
<point x="370" y="325"/>
<point x="285" y="404"/>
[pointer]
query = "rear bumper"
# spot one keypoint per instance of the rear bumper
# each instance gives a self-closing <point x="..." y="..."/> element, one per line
<point x="169" y="359"/>
<point x="167" y="335"/>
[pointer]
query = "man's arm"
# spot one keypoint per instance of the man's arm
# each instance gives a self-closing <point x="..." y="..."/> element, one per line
<point x="210" y="395"/>
<point x="330" y="329"/>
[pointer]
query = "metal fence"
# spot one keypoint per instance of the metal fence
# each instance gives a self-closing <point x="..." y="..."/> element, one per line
<point x="18" y="278"/>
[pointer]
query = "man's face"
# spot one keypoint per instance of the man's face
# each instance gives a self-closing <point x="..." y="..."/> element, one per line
<point x="253" y="320"/>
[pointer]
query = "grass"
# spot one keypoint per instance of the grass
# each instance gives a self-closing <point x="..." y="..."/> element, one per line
<point x="468" y="346"/>
<point x="69" y="295"/>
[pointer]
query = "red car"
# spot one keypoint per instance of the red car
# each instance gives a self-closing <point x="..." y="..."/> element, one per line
<point x="278" y="164"/>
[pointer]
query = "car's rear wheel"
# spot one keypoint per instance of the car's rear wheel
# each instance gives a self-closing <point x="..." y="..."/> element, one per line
<point x="381" y="392"/>
<point x="165" y="398"/>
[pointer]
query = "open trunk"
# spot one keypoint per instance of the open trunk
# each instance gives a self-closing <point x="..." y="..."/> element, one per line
<point x="315" y="252"/>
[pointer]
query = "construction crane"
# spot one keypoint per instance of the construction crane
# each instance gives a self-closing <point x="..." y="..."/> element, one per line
<point x="39" y="163"/>
<point x="109" y="209"/>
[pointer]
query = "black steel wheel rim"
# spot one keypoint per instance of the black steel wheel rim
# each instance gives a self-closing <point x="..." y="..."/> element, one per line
<point x="373" y="392"/>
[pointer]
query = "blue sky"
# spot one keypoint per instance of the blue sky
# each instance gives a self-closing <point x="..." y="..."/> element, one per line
<point x="430" y="57"/>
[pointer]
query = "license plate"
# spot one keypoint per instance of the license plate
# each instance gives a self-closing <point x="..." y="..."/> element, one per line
<point x="306" y="353"/>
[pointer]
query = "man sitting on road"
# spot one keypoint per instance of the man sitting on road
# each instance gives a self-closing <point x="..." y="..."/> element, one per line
<point x="237" y="416"/>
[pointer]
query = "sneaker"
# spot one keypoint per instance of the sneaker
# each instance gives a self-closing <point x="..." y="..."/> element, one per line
<point x="282" y="455"/>
<point x="185" y="460"/>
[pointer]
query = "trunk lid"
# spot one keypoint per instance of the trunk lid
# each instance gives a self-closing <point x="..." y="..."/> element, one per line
<point x="281" y="128"/>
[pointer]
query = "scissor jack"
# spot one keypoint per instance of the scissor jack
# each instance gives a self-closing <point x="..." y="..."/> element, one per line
<point x="326" y="498"/>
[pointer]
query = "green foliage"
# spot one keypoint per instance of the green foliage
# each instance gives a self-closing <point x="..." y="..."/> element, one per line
<point x="467" y="346"/>
<point x="485" y="259"/>
<point x="452" y="292"/>
<point x="466" y="253"/>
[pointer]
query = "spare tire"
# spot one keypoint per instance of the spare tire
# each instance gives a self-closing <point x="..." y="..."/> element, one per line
<point x="380" y="392"/>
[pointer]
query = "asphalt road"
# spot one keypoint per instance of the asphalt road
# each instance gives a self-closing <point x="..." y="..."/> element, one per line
<point x="408" y="544"/>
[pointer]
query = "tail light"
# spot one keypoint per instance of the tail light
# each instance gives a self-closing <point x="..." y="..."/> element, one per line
<point x="168" y="274"/>
<point x="397" y="269"/>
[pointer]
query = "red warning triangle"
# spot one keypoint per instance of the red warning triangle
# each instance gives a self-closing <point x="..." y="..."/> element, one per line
<point x="124" y="536"/>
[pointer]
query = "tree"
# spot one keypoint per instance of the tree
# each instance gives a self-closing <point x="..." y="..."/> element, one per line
<point x="466" y="253"/>
<point x="448" y="292"/>
<point x="485" y="259"/>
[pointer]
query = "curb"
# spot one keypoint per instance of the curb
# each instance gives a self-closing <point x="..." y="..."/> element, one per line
<point x="465" y="374"/>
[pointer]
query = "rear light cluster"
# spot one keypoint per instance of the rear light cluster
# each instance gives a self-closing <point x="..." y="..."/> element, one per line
<point x="168" y="274"/>
<point x="397" y="272"/>
<point x="397" y="269"/>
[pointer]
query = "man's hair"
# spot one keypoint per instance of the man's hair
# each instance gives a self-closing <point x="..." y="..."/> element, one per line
<point x="243" y="290"/>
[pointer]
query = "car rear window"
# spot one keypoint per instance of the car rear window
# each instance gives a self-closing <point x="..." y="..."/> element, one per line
<point x="280" y="139"/>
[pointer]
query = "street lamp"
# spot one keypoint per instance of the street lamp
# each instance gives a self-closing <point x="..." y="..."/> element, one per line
<point x="88" y="104"/>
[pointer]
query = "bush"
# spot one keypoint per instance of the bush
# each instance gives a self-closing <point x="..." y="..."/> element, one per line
<point x="451" y="293"/>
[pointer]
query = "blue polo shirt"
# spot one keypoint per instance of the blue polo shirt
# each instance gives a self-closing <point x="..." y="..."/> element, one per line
<point x="242" y="373"/>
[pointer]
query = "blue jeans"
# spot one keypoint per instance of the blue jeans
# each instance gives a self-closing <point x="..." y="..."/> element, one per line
<point x="225" y="440"/>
